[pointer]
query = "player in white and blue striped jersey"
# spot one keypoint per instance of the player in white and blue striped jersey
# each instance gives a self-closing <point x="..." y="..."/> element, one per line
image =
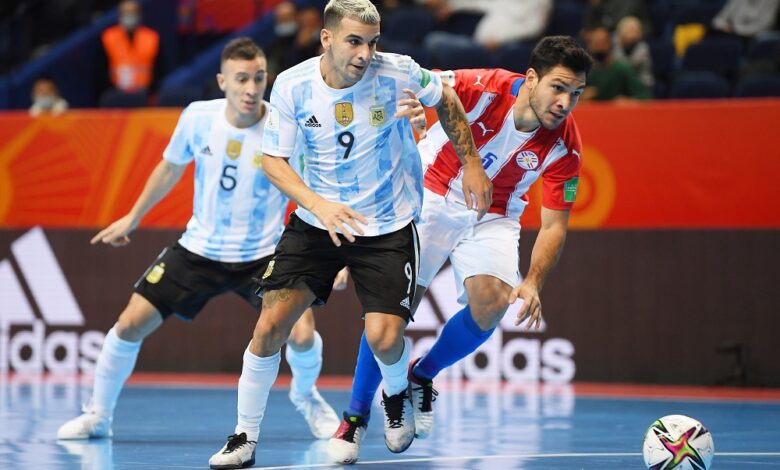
<point x="359" y="197"/>
<point x="236" y="222"/>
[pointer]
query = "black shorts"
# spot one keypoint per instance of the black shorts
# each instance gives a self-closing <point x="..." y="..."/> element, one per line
<point x="181" y="282"/>
<point x="383" y="268"/>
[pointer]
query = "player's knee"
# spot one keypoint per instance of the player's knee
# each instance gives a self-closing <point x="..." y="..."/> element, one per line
<point x="301" y="337"/>
<point x="489" y="307"/>
<point x="387" y="345"/>
<point x="129" y="328"/>
<point x="268" y="338"/>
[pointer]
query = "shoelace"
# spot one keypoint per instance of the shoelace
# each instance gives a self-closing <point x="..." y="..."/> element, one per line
<point x="236" y="441"/>
<point x="351" y="423"/>
<point x="394" y="407"/>
<point x="429" y="395"/>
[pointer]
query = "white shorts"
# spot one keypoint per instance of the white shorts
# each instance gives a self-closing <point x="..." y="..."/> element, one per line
<point x="449" y="229"/>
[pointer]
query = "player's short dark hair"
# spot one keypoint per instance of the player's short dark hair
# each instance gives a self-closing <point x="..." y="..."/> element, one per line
<point x="552" y="51"/>
<point x="242" y="48"/>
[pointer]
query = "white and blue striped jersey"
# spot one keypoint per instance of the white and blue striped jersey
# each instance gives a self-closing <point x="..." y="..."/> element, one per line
<point x="237" y="214"/>
<point x="355" y="151"/>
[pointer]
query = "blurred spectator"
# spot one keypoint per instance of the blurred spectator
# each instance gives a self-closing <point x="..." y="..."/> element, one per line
<point x="297" y="38"/>
<point x="46" y="98"/>
<point x="504" y="22"/>
<point x="608" y="13"/>
<point x="131" y="53"/>
<point x="610" y="79"/>
<point x="630" y="47"/>
<point x="746" y="18"/>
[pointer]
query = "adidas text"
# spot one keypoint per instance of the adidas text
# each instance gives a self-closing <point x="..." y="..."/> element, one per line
<point x="312" y="122"/>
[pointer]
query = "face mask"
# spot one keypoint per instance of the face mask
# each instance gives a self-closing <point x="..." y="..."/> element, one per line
<point x="44" y="102"/>
<point x="129" y="22"/>
<point x="284" y="30"/>
<point x="600" y="57"/>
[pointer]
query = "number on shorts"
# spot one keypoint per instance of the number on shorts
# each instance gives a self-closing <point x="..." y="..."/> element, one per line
<point x="346" y="139"/>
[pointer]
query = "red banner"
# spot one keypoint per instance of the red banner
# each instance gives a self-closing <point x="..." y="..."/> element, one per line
<point x="697" y="164"/>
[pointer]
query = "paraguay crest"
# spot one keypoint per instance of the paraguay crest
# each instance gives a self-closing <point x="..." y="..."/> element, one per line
<point x="343" y="112"/>
<point x="156" y="273"/>
<point x="376" y="115"/>
<point x="257" y="160"/>
<point x="527" y="160"/>
<point x="233" y="149"/>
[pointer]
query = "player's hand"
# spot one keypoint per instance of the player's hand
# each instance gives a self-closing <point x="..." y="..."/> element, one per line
<point x="340" y="283"/>
<point x="531" y="308"/>
<point x="334" y="216"/>
<point x="414" y="111"/>
<point x="477" y="188"/>
<point x="117" y="233"/>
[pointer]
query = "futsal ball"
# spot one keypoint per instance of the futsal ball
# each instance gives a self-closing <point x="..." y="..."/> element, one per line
<point x="678" y="442"/>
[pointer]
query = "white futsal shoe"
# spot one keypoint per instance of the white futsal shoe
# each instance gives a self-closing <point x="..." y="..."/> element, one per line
<point x="422" y="395"/>
<point x="399" y="421"/>
<point x="320" y="416"/>
<point x="237" y="453"/>
<point x="89" y="425"/>
<point x="344" y="446"/>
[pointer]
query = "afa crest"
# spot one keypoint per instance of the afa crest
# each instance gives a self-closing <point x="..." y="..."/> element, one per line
<point x="376" y="115"/>
<point x="343" y="112"/>
<point x="156" y="274"/>
<point x="257" y="160"/>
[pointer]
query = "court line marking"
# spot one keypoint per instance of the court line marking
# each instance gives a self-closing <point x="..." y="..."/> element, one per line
<point x="509" y="456"/>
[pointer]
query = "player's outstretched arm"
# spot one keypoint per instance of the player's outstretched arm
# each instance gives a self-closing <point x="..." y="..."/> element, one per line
<point x="546" y="252"/>
<point x="453" y="120"/>
<point x="164" y="177"/>
<point x="331" y="214"/>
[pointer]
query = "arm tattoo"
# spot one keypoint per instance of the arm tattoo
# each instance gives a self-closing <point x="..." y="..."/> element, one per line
<point x="455" y="124"/>
<point x="271" y="298"/>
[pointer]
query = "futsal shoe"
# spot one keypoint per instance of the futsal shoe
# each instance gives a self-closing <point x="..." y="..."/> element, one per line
<point x="399" y="421"/>
<point x="89" y="425"/>
<point x="344" y="446"/>
<point x="423" y="395"/>
<point x="237" y="453"/>
<point x="320" y="416"/>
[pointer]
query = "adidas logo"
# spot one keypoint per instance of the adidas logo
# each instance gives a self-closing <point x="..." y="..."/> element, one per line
<point x="405" y="303"/>
<point x="39" y="270"/>
<point x="206" y="151"/>
<point x="312" y="122"/>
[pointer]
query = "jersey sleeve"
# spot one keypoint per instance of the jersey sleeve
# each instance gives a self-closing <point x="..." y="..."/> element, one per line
<point x="425" y="84"/>
<point x="281" y="128"/>
<point x="179" y="151"/>
<point x="560" y="180"/>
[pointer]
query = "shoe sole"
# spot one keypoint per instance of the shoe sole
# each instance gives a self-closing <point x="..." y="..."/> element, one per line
<point x="398" y="451"/>
<point x="246" y="464"/>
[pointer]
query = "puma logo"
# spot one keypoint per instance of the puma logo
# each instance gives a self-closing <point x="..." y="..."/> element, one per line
<point x="485" y="130"/>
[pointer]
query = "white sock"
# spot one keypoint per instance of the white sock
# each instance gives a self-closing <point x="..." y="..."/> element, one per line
<point x="395" y="375"/>
<point x="258" y="374"/>
<point x="305" y="366"/>
<point x="114" y="365"/>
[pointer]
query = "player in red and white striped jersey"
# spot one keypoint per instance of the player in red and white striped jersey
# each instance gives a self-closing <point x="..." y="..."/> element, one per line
<point x="523" y="128"/>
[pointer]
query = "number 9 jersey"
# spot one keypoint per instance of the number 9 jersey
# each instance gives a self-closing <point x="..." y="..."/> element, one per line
<point x="237" y="214"/>
<point x="356" y="152"/>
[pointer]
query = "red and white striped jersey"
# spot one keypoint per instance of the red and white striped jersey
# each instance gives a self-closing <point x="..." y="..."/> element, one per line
<point x="513" y="160"/>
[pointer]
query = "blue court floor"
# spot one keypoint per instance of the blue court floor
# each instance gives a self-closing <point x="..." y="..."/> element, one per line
<point x="479" y="426"/>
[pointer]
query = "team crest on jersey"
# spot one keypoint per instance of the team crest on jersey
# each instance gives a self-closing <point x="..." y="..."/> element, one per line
<point x="233" y="149"/>
<point x="257" y="161"/>
<point x="156" y="274"/>
<point x="527" y="160"/>
<point x="376" y="115"/>
<point x="343" y="112"/>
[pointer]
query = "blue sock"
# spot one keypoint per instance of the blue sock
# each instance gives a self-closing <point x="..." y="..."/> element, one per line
<point x="366" y="381"/>
<point x="460" y="337"/>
